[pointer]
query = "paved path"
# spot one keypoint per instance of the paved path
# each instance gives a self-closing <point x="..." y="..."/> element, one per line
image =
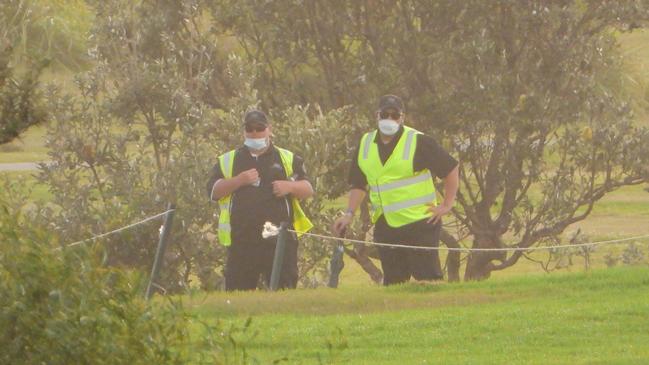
<point x="18" y="166"/>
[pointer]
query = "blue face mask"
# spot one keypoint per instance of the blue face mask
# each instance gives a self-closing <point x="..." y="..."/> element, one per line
<point x="256" y="144"/>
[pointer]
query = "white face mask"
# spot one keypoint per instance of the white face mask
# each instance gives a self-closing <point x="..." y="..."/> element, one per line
<point x="388" y="127"/>
<point x="256" y="144"/>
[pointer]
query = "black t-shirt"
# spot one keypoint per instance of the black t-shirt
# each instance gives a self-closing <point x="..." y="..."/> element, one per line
<point x="428" y="155"/>
<point x="252" y="206"/>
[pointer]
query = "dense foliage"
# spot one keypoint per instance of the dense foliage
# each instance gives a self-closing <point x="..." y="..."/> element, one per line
<point x="66" y="306"/>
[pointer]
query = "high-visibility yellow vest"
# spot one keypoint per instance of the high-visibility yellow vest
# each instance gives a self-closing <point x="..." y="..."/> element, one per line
<point x="398" y="192"/>
<point x="300" y="221"/>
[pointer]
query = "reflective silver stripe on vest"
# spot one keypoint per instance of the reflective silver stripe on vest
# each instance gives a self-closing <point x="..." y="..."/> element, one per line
<point x="224" y="226"/>
<point x="409" y="203"/>
<point x="401" y="183"/>
<point x="227" y="161"/>
<point x="224" y="207"/>
<point x="406" y="149"/>
<point x="368" y="143"/>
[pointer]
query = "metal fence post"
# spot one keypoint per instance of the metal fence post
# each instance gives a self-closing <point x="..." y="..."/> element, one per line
<point x="279" y="256"/>
<point x="336" y="265"/>
<point x="162" y="245"/>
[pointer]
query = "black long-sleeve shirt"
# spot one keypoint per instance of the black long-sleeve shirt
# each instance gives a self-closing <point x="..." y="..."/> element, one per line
<point x="252" y="206"/>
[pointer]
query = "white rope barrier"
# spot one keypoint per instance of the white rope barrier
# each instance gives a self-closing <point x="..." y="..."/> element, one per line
<point x="467" y="249"/>
<point x="272" y="230"/>
<point x="116" y="230"/>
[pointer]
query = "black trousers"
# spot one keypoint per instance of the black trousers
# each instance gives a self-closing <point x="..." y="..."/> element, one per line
<point x="399" y="264"/>
<point x="250" y="260"/>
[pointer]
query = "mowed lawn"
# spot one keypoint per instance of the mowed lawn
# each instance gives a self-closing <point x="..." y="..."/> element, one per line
<point x="598" y="317"/>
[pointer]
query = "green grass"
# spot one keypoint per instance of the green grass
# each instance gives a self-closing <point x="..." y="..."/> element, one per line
<point x="26" y="183"/>
<point x="634" y="47"/>
<point x="30" y="147"/>
<point x="600" y="317"/>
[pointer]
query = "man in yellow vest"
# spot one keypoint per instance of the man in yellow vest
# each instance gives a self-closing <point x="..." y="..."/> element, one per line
<point x="254" y="184"/>
<point x="396" y="164"/>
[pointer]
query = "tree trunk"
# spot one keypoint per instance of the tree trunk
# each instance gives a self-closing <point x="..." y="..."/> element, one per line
<point x="478" y="266"/>
<point x="360" y="255"/>
<point x="453" y="258"/>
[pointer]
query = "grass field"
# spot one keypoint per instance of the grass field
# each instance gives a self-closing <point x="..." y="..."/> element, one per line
<point x="599" y="317"/>
<point x="30" y="147"/>
<point x="633" y="47"/>
<point x="26" y="182"/>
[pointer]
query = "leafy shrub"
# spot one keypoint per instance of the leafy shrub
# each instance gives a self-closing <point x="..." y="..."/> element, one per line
<point x="66" y="307"/>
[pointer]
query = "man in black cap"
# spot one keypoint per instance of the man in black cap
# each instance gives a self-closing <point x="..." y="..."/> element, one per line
<point x="255" y="184"/>
<point x="397" y="164"/>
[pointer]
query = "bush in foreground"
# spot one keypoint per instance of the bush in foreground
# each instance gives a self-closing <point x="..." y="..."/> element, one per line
<point x="65" y="307"/>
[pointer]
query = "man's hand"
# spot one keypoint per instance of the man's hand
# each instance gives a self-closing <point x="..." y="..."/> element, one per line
<point x="282" y="188"/>
<point x="438" y="212"/>
<point x="248" y="177"/>
<point x="340" y="224"/>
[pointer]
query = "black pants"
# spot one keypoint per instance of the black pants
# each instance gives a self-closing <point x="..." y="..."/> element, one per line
<point x="399" y="264"/>
<point x="248" y="260"/>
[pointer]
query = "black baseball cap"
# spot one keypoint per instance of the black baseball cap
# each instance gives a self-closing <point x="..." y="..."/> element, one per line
<point x="255" y="117"/>
<point x="390" y="102"/>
